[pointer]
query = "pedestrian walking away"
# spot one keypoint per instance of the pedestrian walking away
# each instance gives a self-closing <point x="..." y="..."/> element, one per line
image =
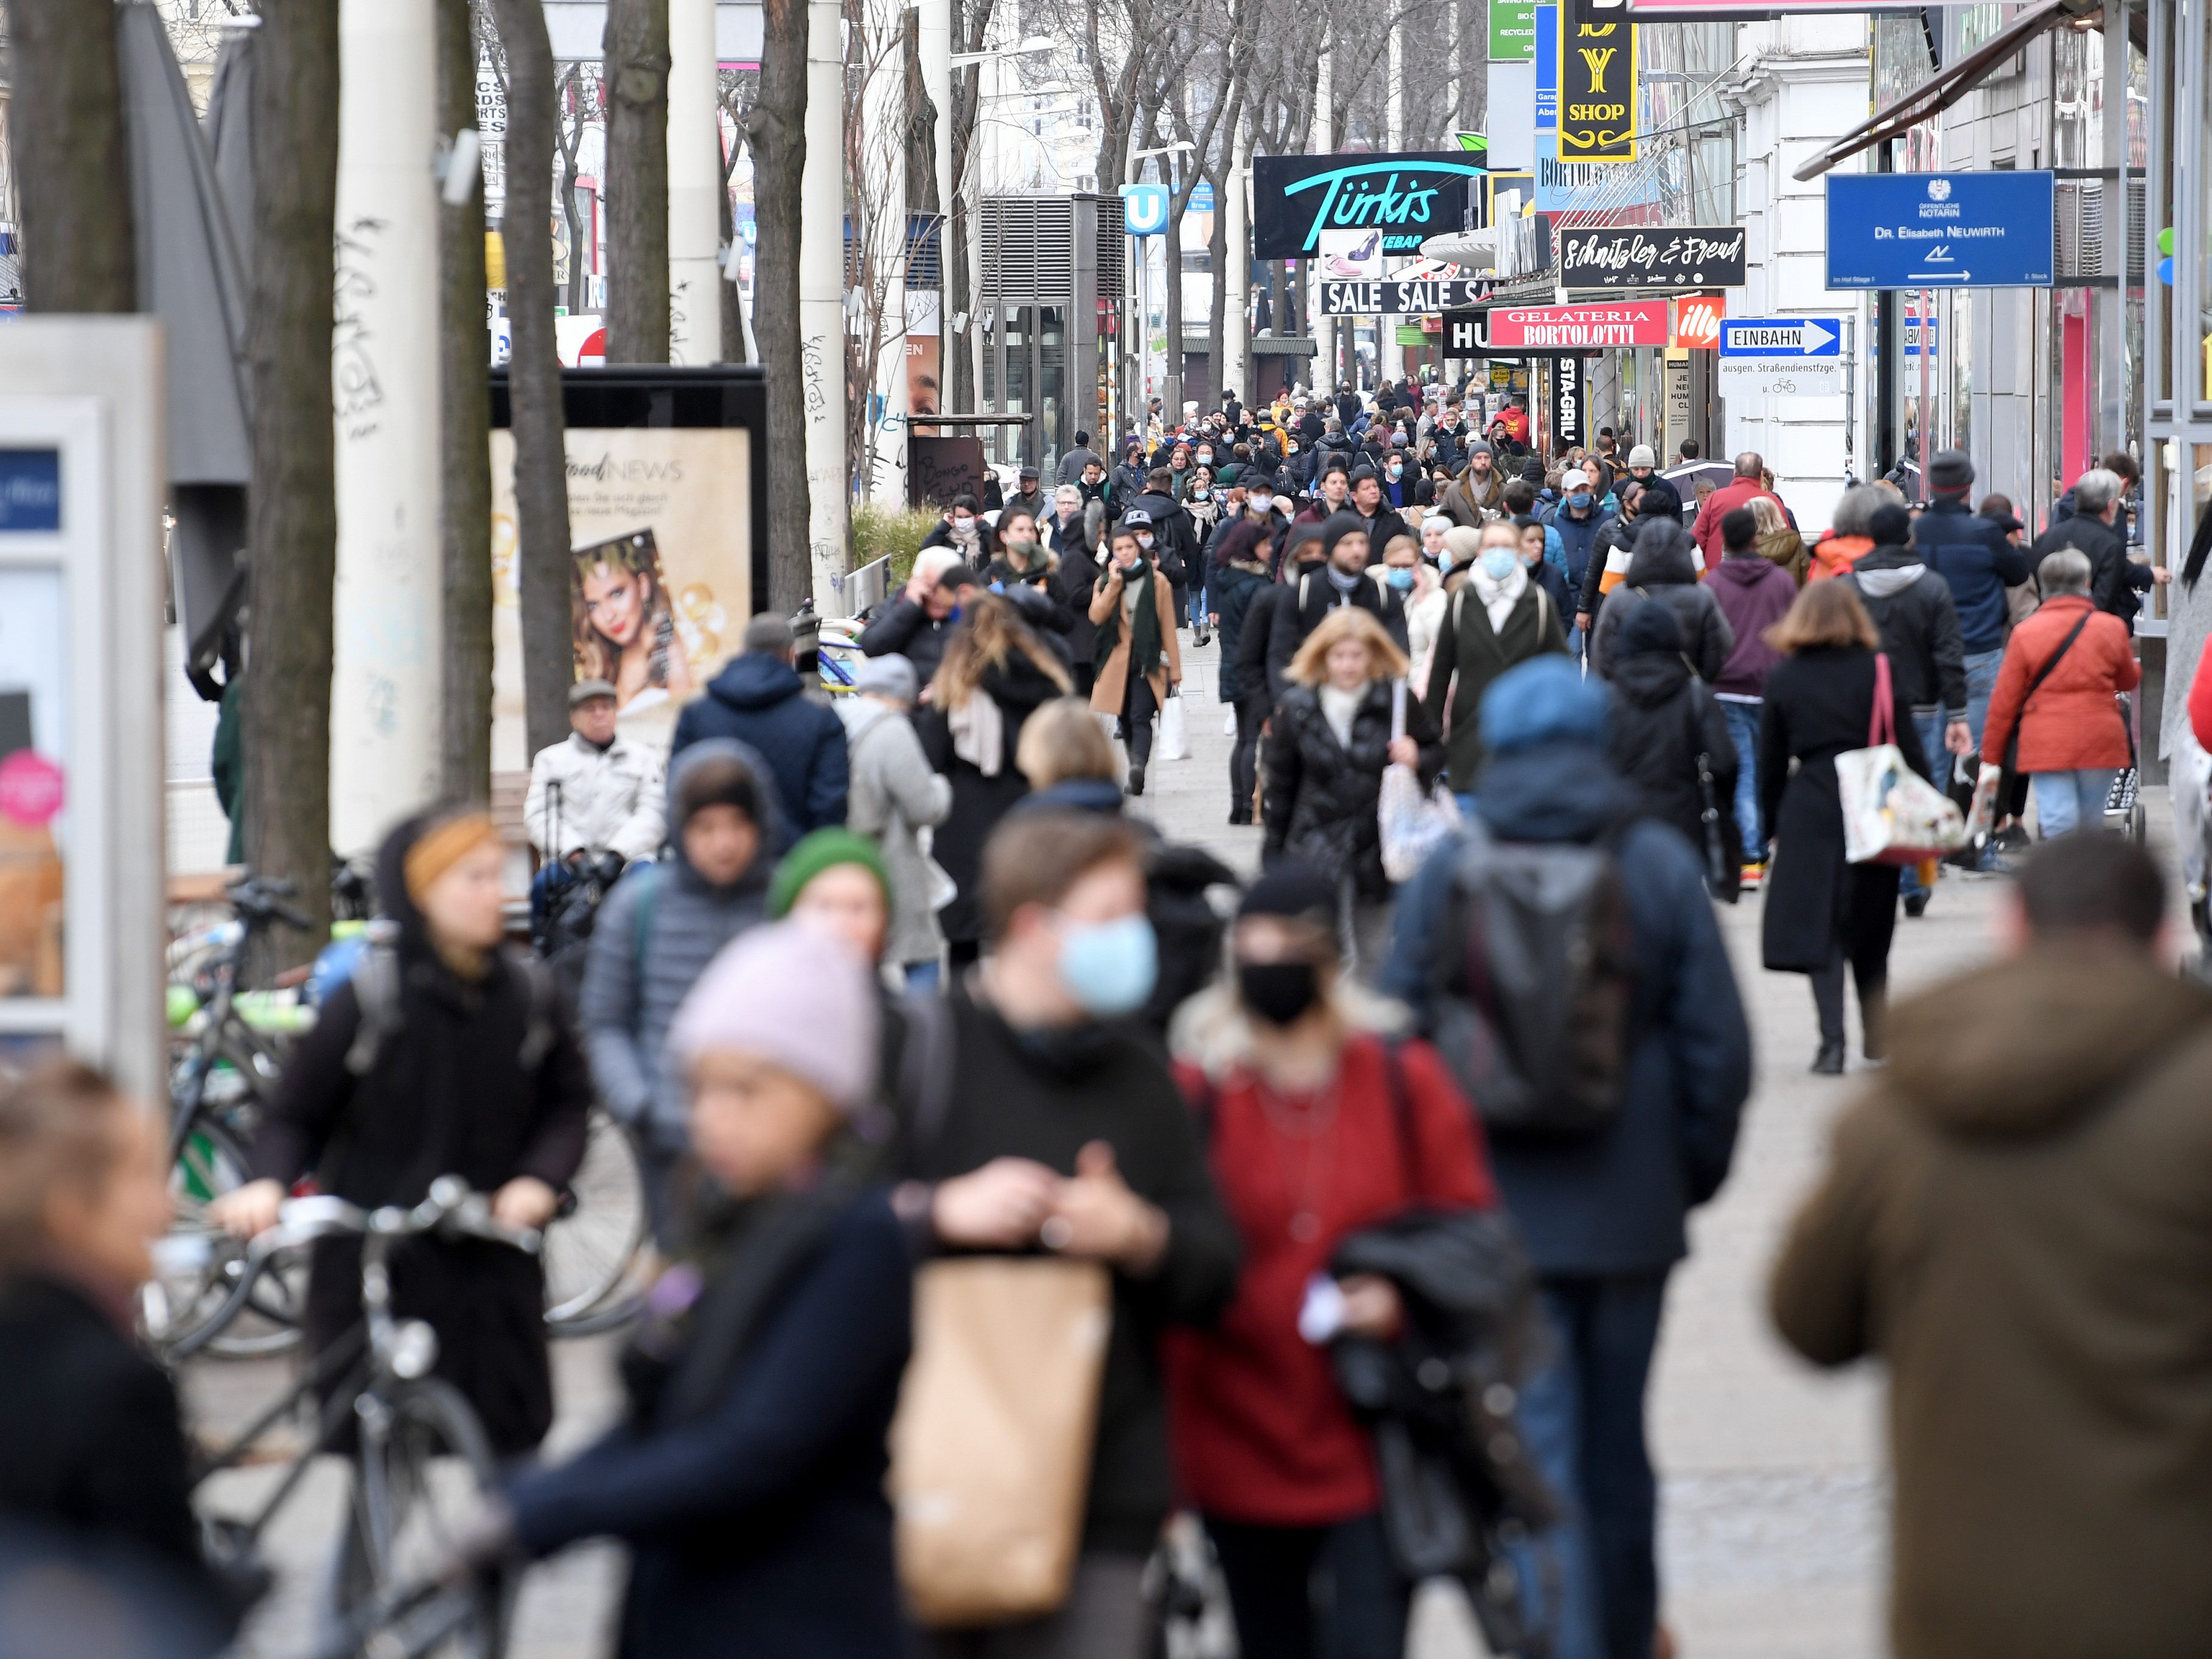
<point x="895" y="795"/>
<point x="1754" y="594"/>
<point x="760" y="701"/>
<point x="1666" y="568"/>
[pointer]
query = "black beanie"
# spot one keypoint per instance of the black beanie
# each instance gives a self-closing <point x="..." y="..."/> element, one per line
<point x="1295" y="892"/>
<point x="1890" y="526"/>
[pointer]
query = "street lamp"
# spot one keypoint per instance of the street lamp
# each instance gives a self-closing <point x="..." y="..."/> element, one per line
<point x="1028" y="48"/>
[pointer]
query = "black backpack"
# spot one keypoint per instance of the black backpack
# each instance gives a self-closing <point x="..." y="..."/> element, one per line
<point x="1531" y="984"/>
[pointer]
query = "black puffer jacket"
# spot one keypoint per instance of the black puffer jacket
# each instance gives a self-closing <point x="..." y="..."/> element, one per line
<point x="1911" y="605"/>
<point x="1322" y="796"/>
<point x="1662" y="717"/>
<point x="1231" y="591"/>
<point x="1663" y="570"/>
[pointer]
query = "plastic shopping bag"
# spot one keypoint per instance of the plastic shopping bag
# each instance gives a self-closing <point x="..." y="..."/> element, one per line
<point x="1891" y="815"/>
<point x="1174" y="738"/>
<point x="1413" y="824"/>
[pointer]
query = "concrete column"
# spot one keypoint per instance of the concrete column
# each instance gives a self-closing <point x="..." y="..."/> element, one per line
<point x="821" y="303"/>
<point x="933" y="40"/>
<point x="384" y="678"/>
<point x="694" y="173"/>
<point x="883" y="211"/>
<point x="1390" y="357"/>
<point x="1237" y="277"/>
<point x="1324" y="328"/>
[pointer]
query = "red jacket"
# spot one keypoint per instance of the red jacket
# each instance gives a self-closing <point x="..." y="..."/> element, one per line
<point x="1838" y="556"/>
<point x="1740" y="492"/>
<point x="2072" y="721"/>
<point x="1260" y="1432"/>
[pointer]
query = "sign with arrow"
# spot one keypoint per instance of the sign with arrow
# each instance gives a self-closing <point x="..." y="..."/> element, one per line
<point x="1932" y="230"/>
<point x="1784" y="356"/>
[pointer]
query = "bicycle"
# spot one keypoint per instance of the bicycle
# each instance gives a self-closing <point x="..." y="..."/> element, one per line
<point x="593" y="1240"/>
<point x="422" y="1461"/>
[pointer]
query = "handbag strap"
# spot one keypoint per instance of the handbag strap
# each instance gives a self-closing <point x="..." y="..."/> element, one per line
<point x="2020" y="714"/>
<point x="1881" y="725"/>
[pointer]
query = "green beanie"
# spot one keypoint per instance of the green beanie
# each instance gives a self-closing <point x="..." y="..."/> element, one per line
<point x="823" y="849"/>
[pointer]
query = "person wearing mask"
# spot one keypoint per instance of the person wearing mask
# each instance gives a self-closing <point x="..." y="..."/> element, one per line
<point x="1419" y="586"/>
<point x="1778" y="541"/>
<point x="1536" y="537"/>
<point x="1292" y="1066"/>
<point x="1081" y="566"/>
<point x="2063" y="671"/>
<point x="1822" y="911"/>
<point x="1331" y="576"/>
<point x="916" y="624"/>
<point x="1498" y="619"/>
<point x="963" y="530"/>
<point x="2097" y="528"/>
<point x="1330" y="742"/>
<point x="1978" y="564"/>
<point x="1138" y="658"/>
<point x="895" y="796"/>
<point x="1001" y="671"/>
<point x="1604" y="1213"/>
<point x="464" y="1063"/>
<point x="92" y="1451"/>
<point x="1073" y="463"/>
<point x="1666" y="568"/>
<point x="760" y="701"/>
<point x="1130" y="478"/>
<point x="1670" y="741"/>
<point x="657" y="931"/>
<point x="1610" y="557"/>
<point x="1239" y="579"/>
<point x="1397" y="487"/>
<point x="1060" y="1128"/>
<point x="1203" y="505"/>
<point x="1741" y="490"/>
<point x="1028" y="498"/>
<point x="2008" y="1220"/>
<point x="1850" y="538"/>
<point x="747" y="1474"/>
<point x="1580" y="521"/>
<point x="1754" y="594"/>
<point x="1433" y="529"/>
<point x="1912" y="611"/>
<point x="1666" y="500"/>
<point x="594" y="792"/>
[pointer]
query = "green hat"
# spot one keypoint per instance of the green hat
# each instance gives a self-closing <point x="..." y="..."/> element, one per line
<point x="822" y="850"/>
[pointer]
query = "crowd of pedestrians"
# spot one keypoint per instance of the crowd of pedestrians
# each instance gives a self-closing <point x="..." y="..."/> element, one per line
<point x="1365" y="1173"/>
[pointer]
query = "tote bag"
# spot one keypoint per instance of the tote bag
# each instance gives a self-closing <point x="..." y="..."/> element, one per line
<point x="1891" y="815"/>
<point x="990" y="1448"/>
<point x="1175" y="734"/>
<point x="1413" y="824"/>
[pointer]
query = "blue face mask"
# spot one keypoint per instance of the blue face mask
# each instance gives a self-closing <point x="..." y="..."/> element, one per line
<point x="1579" y="499"/>
<point x="1109" y="967"/>
<point x="1397" y="472"/>
<point x="1498" y="562"/>
<point x="1401" y="579"/>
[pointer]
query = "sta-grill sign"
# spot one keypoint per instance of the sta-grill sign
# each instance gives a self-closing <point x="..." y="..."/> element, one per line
<point x="1692" y="255"/>
<point x="1413" y="296"/>
<point x="1404" y="197"/>
<point x="1567" y="328"/>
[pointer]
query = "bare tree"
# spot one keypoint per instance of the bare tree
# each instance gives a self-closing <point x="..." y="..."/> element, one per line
<point x="464" y="421"/>
<point x="777" y="133"/>
<point x="636" y="49"/>
<point x="541" y="468"/>
<point x="737" y="89"/>
<point x="72" y="178"/>
<point x="580" y="97"/>
<point x="292" y="549"/>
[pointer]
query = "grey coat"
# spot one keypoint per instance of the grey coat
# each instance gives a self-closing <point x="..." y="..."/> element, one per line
<point x="654" y="936"/>
<point x="1662" y="570"/>
<point x="894" y="795"/>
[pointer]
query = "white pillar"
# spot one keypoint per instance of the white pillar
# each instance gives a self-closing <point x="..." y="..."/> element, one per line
<point x="821" y="303"/>
<point x="1324" y="328"/>
<point x="387" y="666"/>
<point x="883" y="209"/>
<point x="933" y="43"/>
<point x="1237" y="277"/>
<point x="1390" y="358"/>
<point x="694" y="173"/>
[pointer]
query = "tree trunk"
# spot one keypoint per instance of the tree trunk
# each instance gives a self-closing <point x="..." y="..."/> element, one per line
<point x="1217" y="256"/>
<point x="74" y="182"/>
<point x="777" y="133"/>
<point x="734" y="320"/>
<point x="464" y="457"/>
<point x="636" y="48"/>
<point x="540" y="470"/>
<point x="568" y="98"/>
<point x="292" y="547"/>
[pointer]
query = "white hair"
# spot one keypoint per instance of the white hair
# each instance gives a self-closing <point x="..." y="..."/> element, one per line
<point x="2097" y="490"/>
<point x="2066" y="571"/>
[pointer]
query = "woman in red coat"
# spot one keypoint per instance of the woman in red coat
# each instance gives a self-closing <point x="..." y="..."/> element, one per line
<point x="1320" y="1124"/>
<point x="2073" y="737"/>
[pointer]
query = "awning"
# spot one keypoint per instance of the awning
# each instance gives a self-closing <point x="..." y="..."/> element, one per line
<point x="1951" y="84"/>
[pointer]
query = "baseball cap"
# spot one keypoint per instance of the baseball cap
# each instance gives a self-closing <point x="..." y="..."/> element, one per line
<point x="584" y="690"/>
<point x="1574" y="477"/>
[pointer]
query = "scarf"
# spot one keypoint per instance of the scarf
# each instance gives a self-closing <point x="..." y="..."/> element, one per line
<point x="979" y="732"/>
<point x="1498" y="599"/>
<point x="1144" y="624"/>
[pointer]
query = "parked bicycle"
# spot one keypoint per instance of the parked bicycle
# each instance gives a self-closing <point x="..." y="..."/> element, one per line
<point x="422" y="1462"/>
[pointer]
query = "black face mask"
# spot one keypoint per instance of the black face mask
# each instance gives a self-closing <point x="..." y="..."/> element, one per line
<point x="1279" y="993"/>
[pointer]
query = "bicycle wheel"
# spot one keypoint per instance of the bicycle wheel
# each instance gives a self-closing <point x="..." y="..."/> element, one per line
<point x="197" y="1269"/>
<point x="429" y="1474"/>
<point x="592" y="1244"/>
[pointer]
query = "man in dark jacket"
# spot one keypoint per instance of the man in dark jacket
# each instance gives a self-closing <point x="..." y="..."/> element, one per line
<point x="1973" y="557"/>
<point x="1333" y="573"/>
<point x="2094" y="528"/>
<point x="1663" y="569"/>
<point x="1616" y="538"/>
<point x="1664" y="722"/>
<point x="1376" y="516"/>
<point x="1332" y="492"/>
<point x="1580" y="521"/>
<point x="1174" y="534"/>
<point x="760" y="701"/>
<point x="1603" y="1214"/>
<point x="1073" y="463"/>
<point x="1029" y="498"/>
<point x="2011" y="1219"/>
<point x="916" y="624"/>
<point x="1666" y="500"/>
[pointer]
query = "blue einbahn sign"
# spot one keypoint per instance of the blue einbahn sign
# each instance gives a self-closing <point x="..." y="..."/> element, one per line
<point x="1936" y="230"/>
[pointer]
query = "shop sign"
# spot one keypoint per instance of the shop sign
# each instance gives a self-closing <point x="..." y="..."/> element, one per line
<point x="1512" y="31"/>
<point x="1693" y="256"/>
<point x="1559" y="328"/>
<point x="1403" y="197"/>
<point x="1465" y="336"/>
<point x="1697" y="321"/>
<point x="1597" y="83"/>
<point x="1567" y="392"/>
<point x="1564" y="186"/>
<point x="1410" y="296"/>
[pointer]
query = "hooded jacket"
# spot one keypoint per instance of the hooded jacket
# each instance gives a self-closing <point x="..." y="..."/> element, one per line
<point x="2012" y="1218"/>
<point x="760" y="701"/>
<point x="657" y="931"/>
<point x="1662" y="720"/>
<point x="895" y="796"/>
<point x="1663" y="570"/>
<point x="1578" y="537"/>
<point x="1911" y="605"/>
<point x="1754" y="594"/>
<point x="1834" y="556"/>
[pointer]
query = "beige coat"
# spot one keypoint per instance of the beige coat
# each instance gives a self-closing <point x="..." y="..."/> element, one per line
<point x="1111" y="689"/>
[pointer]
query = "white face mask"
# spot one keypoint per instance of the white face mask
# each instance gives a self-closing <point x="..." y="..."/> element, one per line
<point x="963" y="528"/>
<point x="1262" y="502"/>
<point x="1145" y="541"/>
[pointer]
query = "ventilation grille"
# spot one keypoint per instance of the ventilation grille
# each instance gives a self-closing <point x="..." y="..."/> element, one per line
<point x="2082" y="229"/>
<point x="1027" y="249"/>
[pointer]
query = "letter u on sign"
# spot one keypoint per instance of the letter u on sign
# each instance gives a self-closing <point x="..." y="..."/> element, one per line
<point x="1144" y="208"/>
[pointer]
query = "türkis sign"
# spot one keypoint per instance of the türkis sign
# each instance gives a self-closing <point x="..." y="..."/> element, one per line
<point x="1695" y="256"/>
<point x="1393" y="297"/>
<point x="1404" y="197"/>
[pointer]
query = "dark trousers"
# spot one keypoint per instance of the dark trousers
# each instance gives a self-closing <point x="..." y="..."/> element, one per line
<point x="1865" y="925"/>
<point x="1245" y="758"/>
<point x="1137" y="707"/>
<point x="1085" y="674"/>
<point x="1313" y="1592"/>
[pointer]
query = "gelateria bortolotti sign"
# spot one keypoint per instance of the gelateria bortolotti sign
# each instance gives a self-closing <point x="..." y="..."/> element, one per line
<point x="1402" y="197"/>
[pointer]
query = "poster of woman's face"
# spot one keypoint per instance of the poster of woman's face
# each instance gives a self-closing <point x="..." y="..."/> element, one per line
<point x="623" y="626"/>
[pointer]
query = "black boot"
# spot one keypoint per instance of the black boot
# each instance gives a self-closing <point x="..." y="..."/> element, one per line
<point x="1137" y="778"/>
<point x="1829" y="1062"/>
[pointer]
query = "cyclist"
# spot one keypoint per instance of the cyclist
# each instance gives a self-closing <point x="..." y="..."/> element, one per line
<point x="443" y="1054"/>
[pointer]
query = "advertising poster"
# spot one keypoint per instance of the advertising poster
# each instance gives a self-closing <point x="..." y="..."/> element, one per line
<point x="924" y="356"/>
<point x="34" y="719"/>
<point x="660" y="578"/>
<point x="1597" y="83"/>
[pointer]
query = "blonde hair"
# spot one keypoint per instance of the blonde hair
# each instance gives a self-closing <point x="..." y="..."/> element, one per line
<point x="1385" y="661"/>
<point x="989" y="637"/>
<point x="1062" y="740"/>
<point x="1768" y="515"/>
<point x="1823" y="614"/>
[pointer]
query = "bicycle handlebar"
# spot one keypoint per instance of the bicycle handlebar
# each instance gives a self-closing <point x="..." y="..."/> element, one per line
<point x="451" y="1209"/>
